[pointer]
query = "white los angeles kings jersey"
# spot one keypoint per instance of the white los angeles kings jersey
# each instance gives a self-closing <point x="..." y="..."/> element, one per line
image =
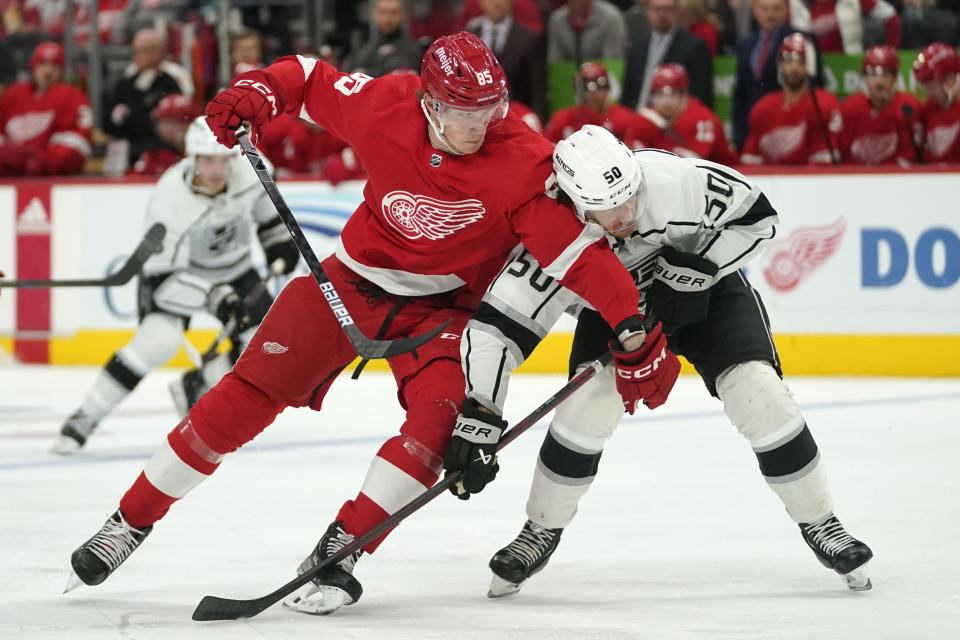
<point x="690" y="204"/>
<point x="208" y="239"/>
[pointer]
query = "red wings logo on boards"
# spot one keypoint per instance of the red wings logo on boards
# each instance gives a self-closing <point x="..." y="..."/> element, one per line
<point x="804" y="250"/>
<point x="424" y="217"/>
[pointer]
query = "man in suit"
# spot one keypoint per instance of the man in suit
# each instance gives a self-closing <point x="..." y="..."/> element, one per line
<point x="666" y="42"/>
<point x="520" y="52"/>
<point x="391" y="48"/>
<point x="757" y="62"/>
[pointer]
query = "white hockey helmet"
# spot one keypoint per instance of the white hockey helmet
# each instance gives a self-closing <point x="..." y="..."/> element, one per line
<point x="596" y="170"/>
<point x="200" y="141"/>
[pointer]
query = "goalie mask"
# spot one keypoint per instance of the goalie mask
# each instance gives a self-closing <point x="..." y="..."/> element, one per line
<point x="602" y="178"/>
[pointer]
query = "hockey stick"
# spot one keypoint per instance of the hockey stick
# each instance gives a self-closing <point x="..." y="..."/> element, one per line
<point x="214" y="608"/>
<point x="907" y="111"/>
<point x="151" y="244"/>
<point x="364" y="346"/>
<point x="834" y="156"/>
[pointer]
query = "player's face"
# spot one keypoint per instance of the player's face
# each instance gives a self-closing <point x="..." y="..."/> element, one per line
<point x="880" y="86"/>
<point x="943" y="93"/>
<point x="793" y="72"/>
<point x="172" y="131"/>
<point x="620" y="221"/>
<point x="464" y="130"/>
<point x="212" y="172"/>
<point x="596" y="99"/>
<point x="668" y="104"/>
<point x="46" y="74"/>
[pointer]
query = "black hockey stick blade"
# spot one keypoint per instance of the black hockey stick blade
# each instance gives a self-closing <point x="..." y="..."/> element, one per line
<point x="365" y="347"/>
<point x="152" y="243"/>
<point x="214" y="608"/>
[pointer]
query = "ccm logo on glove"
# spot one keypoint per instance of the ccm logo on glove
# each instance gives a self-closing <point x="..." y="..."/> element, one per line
<point x="262" y="88"/>
<point x="645" y="371"/>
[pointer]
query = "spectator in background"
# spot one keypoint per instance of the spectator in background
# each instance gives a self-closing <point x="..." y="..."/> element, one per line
<point x="838" y="24"/>
<point x="798" y="124"/>
<point x="586" y="29"/>
<point x="694" y="16"/>
<point x="879" y="123"/>
<point x="44" y="123"/>
<point x="171" y="118"/>
<point x="678" y="122"/>
<point x="667" y="42"/>
<point x="595" y="109"/>
<point x="519" y="50"/>
<point x="525" y="12"/>
<point x="391" y="48"/>
<point x="926" y="21"/>
<point x="937" y="68"/>
<point x="246" y="51"/>
<point x="146" y="81"/>
<point x="526" y="114"/>
<point x="757" y="62"/>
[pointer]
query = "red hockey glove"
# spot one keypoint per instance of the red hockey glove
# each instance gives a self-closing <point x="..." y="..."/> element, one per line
<point x="647" y="373"/>
<point x="249" y="99"/>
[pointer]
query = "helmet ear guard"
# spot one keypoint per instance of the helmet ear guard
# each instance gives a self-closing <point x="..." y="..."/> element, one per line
<point x="596" y="171"/>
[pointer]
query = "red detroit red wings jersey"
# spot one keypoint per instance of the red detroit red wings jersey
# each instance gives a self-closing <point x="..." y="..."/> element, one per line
<point x="430" y="221"/>
<point x="619" y="120"/>
<point x="54" y="124"/>
<point x="941" y="132"/>
<point x="791" y="133"/>
<point x="696" y="133"/>
<point x="872" y="136"/>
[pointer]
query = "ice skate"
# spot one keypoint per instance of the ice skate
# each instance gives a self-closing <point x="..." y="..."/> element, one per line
<point x="100" y="556"/>
<point x="186" y="390"/>
<point x="838" y="550"/>
<point x="522" y="558"/>
<point x="335" y="586"/>
<point x="74" y="434"/>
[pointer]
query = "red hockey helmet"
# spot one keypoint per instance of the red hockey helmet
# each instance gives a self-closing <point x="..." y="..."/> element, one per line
<point x="176" y="106"/>
<point x="47" y="52"/>
<point x="881" y="58"/>
<point x="594" y="76"/>
<point x="669" y="76"/>
<point x="935" y="61"/>
<point x="795" y="47"/>
<point x="460" y="71"/>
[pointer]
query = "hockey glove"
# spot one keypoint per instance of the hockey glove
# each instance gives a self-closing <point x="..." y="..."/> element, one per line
<point x="473" y="449"/>
<point x="223" y="302"/>
<point x="680" y="292"/>
<point x="647" y="373"/>
<point x="249" y="99"/>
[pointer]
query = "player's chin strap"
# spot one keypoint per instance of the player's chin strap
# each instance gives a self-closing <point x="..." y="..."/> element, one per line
<point x="437" y="129"/>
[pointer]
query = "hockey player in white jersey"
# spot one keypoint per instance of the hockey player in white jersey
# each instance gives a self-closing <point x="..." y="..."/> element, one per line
<point x="209" y="203"/>
<point x="684" y="227"/>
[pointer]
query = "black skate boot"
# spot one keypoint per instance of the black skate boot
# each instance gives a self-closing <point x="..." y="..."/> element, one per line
<point x="522" y="558"/>
<point x="838" y="550"/>
<point x="335" y="586"/>
<point x="74" y="433"/>
<point x="186" y="390"/>
<point x="100" y="556"/>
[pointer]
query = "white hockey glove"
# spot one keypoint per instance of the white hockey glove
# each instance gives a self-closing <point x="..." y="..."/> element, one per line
<point x="473" y="449"/>
<point x="680" y="292"/>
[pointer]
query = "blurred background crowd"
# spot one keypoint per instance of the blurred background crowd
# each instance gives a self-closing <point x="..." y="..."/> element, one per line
<point x="108" y="86"/>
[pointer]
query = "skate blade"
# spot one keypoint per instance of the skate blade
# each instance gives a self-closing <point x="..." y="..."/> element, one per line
<point x="500" y="588"/>
<point x="65" y="446"/>
<point x="858" y="580"/>
<point x="318" y="601"/>
<point x="73" y="582"/>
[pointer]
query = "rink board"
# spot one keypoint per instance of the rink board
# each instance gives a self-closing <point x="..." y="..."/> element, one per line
<point x="862" y="277"/>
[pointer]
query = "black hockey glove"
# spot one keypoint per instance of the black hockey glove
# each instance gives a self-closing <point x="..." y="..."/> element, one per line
<point x="223" y="302"/>
<point x="680" y="292"/>
<point x="278" y="247"/>
<point x="473" y="449"/>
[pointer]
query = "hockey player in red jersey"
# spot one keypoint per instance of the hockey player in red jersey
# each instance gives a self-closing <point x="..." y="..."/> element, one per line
<point x="454" y="186"/>
<point x="44" y="123"/>
<point x="681" y="123"/>
<point x="595" y="109"/>
<point x="790" y="126"/>
<point x="937" y="67"/>
<point x="171" y="118"/>
<point x="879" y="122"/>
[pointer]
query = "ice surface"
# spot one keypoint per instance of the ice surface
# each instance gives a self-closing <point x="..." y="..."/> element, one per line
<point x="679" y="537"/>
